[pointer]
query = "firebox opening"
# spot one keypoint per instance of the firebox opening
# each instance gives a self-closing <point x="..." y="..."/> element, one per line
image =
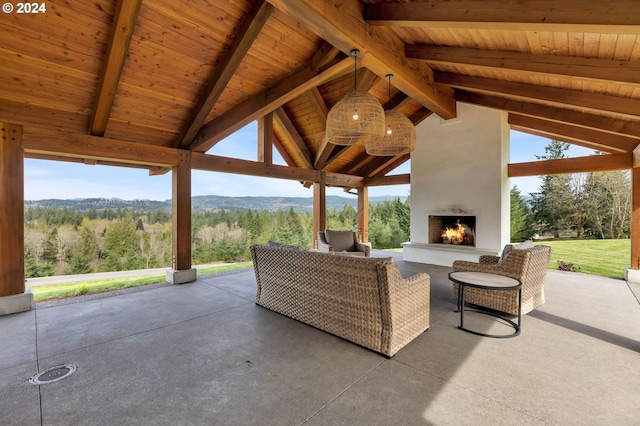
<point x="456" y="230"/>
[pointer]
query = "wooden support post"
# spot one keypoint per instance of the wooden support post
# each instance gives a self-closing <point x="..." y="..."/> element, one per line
<point x="319" y="207"/>
<point x="635" y="218"/>
<point x="363" y="214"/>
<point x="181" y="221"/>
<point x="265" y="139"/>
<point x="11" y="211"/>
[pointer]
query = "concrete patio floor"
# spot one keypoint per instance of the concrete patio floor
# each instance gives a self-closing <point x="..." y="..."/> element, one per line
<point x="204" y="354"/>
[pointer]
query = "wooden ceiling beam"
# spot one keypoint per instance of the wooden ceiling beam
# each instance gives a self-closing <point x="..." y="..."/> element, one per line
<point x="588" y="16"/>
<point x="341" y="23"/>
<point x="101" y="149"/>
<point x="325" y="149"/>
<point x="124" y="23"/>
<point x="287" y="127"/>
<point x="420" y="115"/>
<point x="268" y="100"/>
<point x="365" y="80"/>
<point x="376" y="163"/>
<point x="319" y="105"/>
<point x="324" y="55"/>
<point x="324" y="154"/>
<point x="397" y="101"/>
<point x="249" y="30"/>
<point x="403" y="179"/>
<point x="336" y="153"/>
<point x="592" y="163"/>
<point x="380" y="164"/>
<point x="571" y="66"/>
<point x="577" y="118"/>
<point x="87" y="162"/>
<point x="216" y="163"/>
<point x="389" y="165"/>
<point x="570" y="98"/>
<point x="265" y="138"/>
<point x="583" y="136"/>
<point x="283" y="152"/>
<point x="358" y="162"/>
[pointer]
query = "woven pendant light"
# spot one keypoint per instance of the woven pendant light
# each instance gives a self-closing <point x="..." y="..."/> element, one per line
<point x="399" y="136"/>
<point x="356" y="116"/>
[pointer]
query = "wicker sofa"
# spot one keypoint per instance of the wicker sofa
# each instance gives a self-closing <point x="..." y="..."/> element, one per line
<point x="529" y="266"/>
<point x="363" y="300"/>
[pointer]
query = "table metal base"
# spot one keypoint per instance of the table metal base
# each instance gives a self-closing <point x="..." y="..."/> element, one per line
<point x="516" y="326"/>
<point x="461" y="309"/>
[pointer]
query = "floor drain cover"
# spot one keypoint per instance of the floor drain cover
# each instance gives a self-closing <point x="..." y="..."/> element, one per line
<point x="53" y="374"/>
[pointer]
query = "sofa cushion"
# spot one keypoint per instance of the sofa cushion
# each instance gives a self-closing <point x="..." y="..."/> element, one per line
<point x="340" y="240"/>
<point x="522" y="246"/>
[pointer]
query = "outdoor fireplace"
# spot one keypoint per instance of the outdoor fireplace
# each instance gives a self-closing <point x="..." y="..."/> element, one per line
<point x="454" y="230"/>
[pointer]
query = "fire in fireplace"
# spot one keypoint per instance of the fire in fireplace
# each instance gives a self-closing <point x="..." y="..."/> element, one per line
<point x="457" y="230"/>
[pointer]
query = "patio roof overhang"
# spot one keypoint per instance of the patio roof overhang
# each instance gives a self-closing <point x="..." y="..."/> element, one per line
<point x="147" y="83"/>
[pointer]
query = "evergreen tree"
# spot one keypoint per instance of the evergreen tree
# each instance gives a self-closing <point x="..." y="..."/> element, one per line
<point x="87" y="244"/>
<point x="78" y="265"/>
<point x="552" y="206"/>
<point x="521" y="228"/>
<point x="85" y="251"/>
<point x="121" y="237"/>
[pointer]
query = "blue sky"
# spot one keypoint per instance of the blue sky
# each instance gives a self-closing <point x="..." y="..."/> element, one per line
<point x="53" y="179"/>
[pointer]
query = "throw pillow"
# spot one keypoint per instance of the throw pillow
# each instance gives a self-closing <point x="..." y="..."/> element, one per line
<point x="522" y="246"/>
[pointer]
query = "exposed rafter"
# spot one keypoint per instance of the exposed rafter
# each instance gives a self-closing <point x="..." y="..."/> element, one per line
<point x="593" y="163"/>
<point x="124" y="23"/>
<point x="101" y="149"/>
<point x="383" y="165"/>
<point x="283" y="122"/>
<point x="589" y="138"/>
<point x="529" y="92"/>
<point x="324" y="150"/>
<point x="358" y="162"/>
<point x="522" y="15"/>
<point x="341" y="23"/>
<point x="216" y="163"/>
<point x="562" y="115"/>
<point x="571" y="66"/>
<point x="235" y="53"/>
<point x="257" y="105"/>
<point x="265" y="139"/>
<point x="403" y="179"/>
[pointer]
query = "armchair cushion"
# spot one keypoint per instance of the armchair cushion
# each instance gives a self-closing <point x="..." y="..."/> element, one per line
<point x="522" y="246"/>
<point x="340" y="240"/>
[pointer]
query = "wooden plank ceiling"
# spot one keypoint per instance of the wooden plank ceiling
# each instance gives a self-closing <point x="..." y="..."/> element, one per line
<point x="88" y="78"/>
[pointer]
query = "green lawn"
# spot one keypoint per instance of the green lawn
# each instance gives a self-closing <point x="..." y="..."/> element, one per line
<point x="58" y="291"/>
<point x="608" y="258"/>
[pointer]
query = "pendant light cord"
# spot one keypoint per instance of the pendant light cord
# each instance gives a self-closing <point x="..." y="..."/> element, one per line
<point x="355" y="53"/>
<point x="389" y="92"/>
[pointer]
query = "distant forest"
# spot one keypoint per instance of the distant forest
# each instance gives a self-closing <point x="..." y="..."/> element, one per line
<point x="98" y="235"/>
<point x="84" y="236"/>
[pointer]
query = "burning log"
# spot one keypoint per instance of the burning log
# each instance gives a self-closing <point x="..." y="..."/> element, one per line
<point x="457" y="235"/>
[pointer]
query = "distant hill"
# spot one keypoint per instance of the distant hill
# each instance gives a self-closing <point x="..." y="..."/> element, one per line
<point x="206" y="203"/>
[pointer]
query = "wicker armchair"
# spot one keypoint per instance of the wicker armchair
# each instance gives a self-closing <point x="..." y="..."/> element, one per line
<point x="341" y="242"/>
<point x="528" y="265"/>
